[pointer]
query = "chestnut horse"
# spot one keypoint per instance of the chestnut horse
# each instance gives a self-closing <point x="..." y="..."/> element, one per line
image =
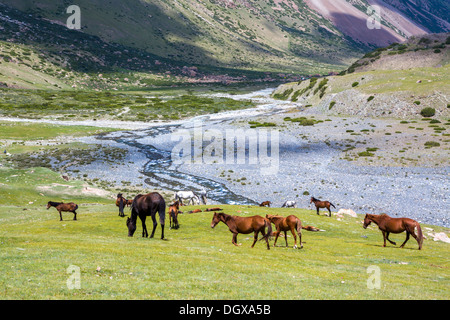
<point x="61" y="206"/>
<point x="284" y="224"/>
<point x="147" y="205"/>
<point x="322" y="204"/>
<point x="244" y="225"/>
<point x="265" y="203"/>
<point x="173" y="214"/>
<point x="121" y="202"/>
<point x="395" y="225"/>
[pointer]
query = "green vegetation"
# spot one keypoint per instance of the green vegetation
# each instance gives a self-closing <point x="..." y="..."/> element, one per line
<point x="35" y="257"/>
<point x="428" y="112"/>
<point x="302" y="121"/>
<point x="431" y="144"/>
<point x="255" y="124"/>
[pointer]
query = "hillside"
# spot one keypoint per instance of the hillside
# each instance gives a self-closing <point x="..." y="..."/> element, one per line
<point x="396" y="81"/>
<point x="307" y="37"/>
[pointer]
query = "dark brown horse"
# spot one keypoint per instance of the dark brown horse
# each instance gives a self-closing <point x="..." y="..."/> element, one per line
<point x="147" y="205"/>
<point x="173" y="214"/>
<point x="244" y="225"/>
<point x="121" y="202"/>
<point x="213" y="209"/>
<point x="395" y="225"/>
<point x="322" y="204"/>
<point x="284" y="224"/>
<point x="66" y="207"/>
<point x="265" y="203"/>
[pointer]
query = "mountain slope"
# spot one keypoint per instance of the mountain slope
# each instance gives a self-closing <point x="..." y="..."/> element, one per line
<point x="397" y="81"/>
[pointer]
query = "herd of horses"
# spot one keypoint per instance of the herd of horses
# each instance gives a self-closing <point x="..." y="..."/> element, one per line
<point x="148" y="205"/>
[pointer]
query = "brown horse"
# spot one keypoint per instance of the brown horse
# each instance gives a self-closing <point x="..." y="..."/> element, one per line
<point x="61" y="206"/>
<point x="284" y="224"/>
<point x="265" y="203"/>
<point x="121" y="202"/>
<point x="322" y="204"/>
<point x="173" y="214"/>
<point x="244" y="225"/>
<point x="395" y="225"/>
<point x="213" y="209"/>
<point x="147" y="205"/>
<point x="195" y="211"/>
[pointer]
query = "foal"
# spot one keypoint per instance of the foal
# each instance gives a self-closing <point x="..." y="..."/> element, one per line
<point x="395" y="225"/>
<point x="61" y="206"/>
<point x="284" y="224"/>
<point x="322" y="204"/>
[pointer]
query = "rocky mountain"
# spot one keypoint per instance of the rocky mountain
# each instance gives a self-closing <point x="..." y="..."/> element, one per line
<point x="395" y="81"/>
<point x="290" y="36"/>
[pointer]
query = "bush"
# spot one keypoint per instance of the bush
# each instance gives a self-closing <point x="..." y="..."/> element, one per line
<point x="370" y="98"/>
<point x="428" y="112"/>
<point x="417" y="102"/>
<point x="430" y="144"/>
<point x="354" y="84"/>
<point x="332" y="103"/>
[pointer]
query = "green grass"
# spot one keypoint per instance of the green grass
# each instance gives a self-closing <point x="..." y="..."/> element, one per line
<point x="197" y="262"/>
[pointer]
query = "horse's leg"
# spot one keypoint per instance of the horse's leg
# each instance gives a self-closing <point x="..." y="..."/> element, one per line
<point x="60" y="216"/>
<point x="384" y="238"/>
<point x="266" y="238"/>
<point x="387" y="237"/>
<point x="276" y="237"/>
<point x="411" y="231"/>
<point x="234" y="239"/>
<point x="285" y="238"/>
<point x="295" y="238"/>
<point x="329" y="211"/>
<point x="317" y="208"/>
<point x="74" y="215"/>
<point x="406" y="240"/>
<point x="144" y="227"/>
<point x="255" y="238"/>
<point x="162" y="231"/>
<point x="154" y="225"/>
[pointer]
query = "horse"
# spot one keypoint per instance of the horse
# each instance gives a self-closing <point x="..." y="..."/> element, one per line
<point x="121" y="202"/>
<point x="289" y="204"/>
<point x="395" y="225"/>
<point x="195" y="211"/>
<point x="202" y="194"/>
<point x="244" y="225"/>
<point x="322" y="204"/>
<point x="191" y="196"/>
<point x="61" y="206"/>
<point x="265" y="203"/>
<point x="213" y="209"/>
<point x="147" y="205"/>
<point x="284" y="224"/>
<point x="173" y="214"/>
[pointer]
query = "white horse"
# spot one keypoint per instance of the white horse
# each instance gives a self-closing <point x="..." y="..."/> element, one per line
<point x="289" y="204"/>
<point x="202" y="194"/>
<point x="191" y="196"/>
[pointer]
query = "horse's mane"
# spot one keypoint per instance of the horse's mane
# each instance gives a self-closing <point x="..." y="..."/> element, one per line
<point x="52" y="203"/>
<point x="314" y="199"/>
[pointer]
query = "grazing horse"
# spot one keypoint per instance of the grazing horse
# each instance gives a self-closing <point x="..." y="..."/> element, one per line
<point x="121" y="202"/>
<point x="173" y="214"/>
<point x="213" y="209"/>
<point x="191" y="196"/>
<point x="195" y="211"/>
<point x="61" y="206"/>
<point x="289" y="204"/>
<point x="265" y="203"/>
<point x="395" y="225"/>
<point x="147" y="205"/>
<point x="244" y="225"/>
<point x="322" y="204"/>
<point x="284" y="224"/>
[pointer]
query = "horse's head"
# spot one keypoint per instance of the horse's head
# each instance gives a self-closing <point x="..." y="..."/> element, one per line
<point x="269" y="217"/>
<point x="216" y="219"/>
<point x="367" y="221"/>
<point x="131" y="227"/>
<point x="48" y="205"/>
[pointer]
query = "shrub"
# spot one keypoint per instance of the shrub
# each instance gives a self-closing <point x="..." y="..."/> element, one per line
<point x="332" y="103"/>
<point x="430" y="144"/>
<point x="417" y="102"/>
<point x="370" y="98"/>
<point x="428" y="112"/>
<point x="354" y="84"/>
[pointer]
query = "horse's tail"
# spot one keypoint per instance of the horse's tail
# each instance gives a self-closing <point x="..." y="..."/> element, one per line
<point x="419" y="235"/>
<point x="332" y="205"/>
<point x="299" y="227"/>
<point x="268" y="224"/>
<point x="162" y="212"/>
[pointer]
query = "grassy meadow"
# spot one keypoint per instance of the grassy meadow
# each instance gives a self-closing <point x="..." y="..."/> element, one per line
<point x="195" y="261"/>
